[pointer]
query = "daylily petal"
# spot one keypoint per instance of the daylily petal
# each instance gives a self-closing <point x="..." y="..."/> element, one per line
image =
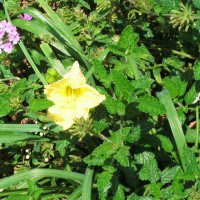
<point x="89" y="97"/>
<point x="64" y="116"/>
<point x="75" y="77"/>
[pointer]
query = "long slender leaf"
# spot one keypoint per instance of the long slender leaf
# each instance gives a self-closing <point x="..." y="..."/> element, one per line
<point x="39" y="174"/>
<point x="174" y="122"/>
<point x="87" y="184"/>
<point x="20" y="127"/>
<point x="54" y="62"/>
<point x="75" y="194"/>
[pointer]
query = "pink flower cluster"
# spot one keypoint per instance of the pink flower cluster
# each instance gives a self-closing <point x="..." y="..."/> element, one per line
<point x="8" y="36"/>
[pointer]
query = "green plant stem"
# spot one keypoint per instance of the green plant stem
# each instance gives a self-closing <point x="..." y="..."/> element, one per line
<point x="39" y="174"/>
<point x="102" y="137"/>
<point x="87" y="184"/>
<point x="175" y="124"/>
<point x="27" y="55"/>
<point x="197" y="128"/>
<point x="75" y="194"/>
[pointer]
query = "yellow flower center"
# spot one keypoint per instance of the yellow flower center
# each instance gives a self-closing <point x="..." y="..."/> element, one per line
<point x="72" y="93"/>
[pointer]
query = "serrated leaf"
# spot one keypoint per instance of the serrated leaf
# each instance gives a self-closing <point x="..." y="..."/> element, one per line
<point x="166" y="143"/>
<point x="128" y="38"/>
<point x="168" y="174"/>
<point x="101" y="125"/>
<point x="134" y="135"/>
<point x="123" y="85"/>
<point x="155" y="190"/>
<point x="191" y="95"/>
<point x="101" y="73"/>
<point x="173" y="62"/>
<point x="122" y="156"/>
<point x="115" y="49"/>
<point x="61" y="146"/>
<point x="142" y="83"/>
<point x="144" y="157"/>
<point x="5" y="108"/>
<point x="119" y="195"/>
<point x="151" y="105"/>
<point x="34" y="190"/>
<point x="196" y="3"/>
<point x="100" y="154"/>
<point x="104" y="184"/>
<point x="133" y="196"/>
<point x="19" y="86"/>
<point x="120" y="136"/>
<point x="197" y="70"/>
<point x="191" y="135"/>
<point x="191" y="162"/>
<point x="40" y="104"/>
<point x="175" y="86"/>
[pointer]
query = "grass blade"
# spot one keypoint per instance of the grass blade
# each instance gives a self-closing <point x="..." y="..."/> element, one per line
<point x="20" y="127"/>
<point x="39" y="174"/>
<point x="174" y="122"/>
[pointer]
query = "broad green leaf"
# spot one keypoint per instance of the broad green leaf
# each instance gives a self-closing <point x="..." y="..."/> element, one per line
<point x="100" y="154"/>
<point x="191" y="135"/>
<point x="168" y="174"/>
<point x="119" y="195"/>
<point x="173" y="62"/>
<point x="61" y="146"/>
<point x="101" y="73"/>
<point x="128" y="38"/>
<point x="5" y="108"/>
<point x="115" y="49"/>
<point x="120" y="136"/>
<point x="142" y="83"/>
<point x="175" y="86"/>
<point x="191" y="162"/>
<point x="197" y="67"/>
<point x="133" y="196"/>
<point x="191" y="95"/>
<point x="122" y="156"/>
<point x="34" y="190"/>
<point x="18" y="197"/>
<point x="151" y="105"/>
<point x="40" y="104"/>
<point x="101" y="125"/>
<point x="165" y="143"/>
<point x="134" y="135"/>
<point x="144" y="157"/>
<point x="104" y="184"/>
<point x="123" y="85"/>
<point x="155" y="190"/>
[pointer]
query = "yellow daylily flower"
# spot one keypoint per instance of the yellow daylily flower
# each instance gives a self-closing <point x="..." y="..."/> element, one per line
<point x="72" y="98"/>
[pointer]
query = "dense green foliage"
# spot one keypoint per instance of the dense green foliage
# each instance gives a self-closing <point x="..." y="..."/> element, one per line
<point x="142" y="142"/>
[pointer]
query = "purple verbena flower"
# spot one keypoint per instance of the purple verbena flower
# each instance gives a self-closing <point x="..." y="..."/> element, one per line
<point x="25" y="16"/>
<point x="8" y="36"/>
<point x="7" y="47"/>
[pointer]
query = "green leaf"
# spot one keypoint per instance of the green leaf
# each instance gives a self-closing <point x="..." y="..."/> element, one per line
<point x="123" y="85"/>
<point x="128" y="38"/>
<point x="134" y="135"/>
<point x="150" y="171"/>
<point x="168" y="174"/>
<point x="11" y="137"/>
<point x="101" y="73"/>
<point x="175" y="86"/>
<point x="122" y="156"/>
<point x="19" y="86"/>
<point x="61" y="146"/>
<point x="18" y="197"/>
<point x="144" y="157"/>
<point x="40" y="104"/>
<point x="197" y="68"/>
<point x="151" y="105"/>
<point x="196" y="3"/>
<point x="133" y="196"/>
<point x="101" y="125"/>
<point x="191" y="135"/>
<point x="173" y="62"/>
<point x="120" y="136"/>
<point x="104" y="184"/>
<point x="165" y="143"/>
<point x="155" y="190"/>
<point x="191" y="162"/>
<point x="34" y="191"/>
<point x="119" y="195"/>
<point x="142" y="83"/>
<point x="5" y="108"/>
<point x="191" y="95"/>
<point x="100" y="154"/>
<point x="115" y="49"/>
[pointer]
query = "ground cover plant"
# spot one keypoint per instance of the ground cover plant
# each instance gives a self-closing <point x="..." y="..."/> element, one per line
<point x="99" y="99"/>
